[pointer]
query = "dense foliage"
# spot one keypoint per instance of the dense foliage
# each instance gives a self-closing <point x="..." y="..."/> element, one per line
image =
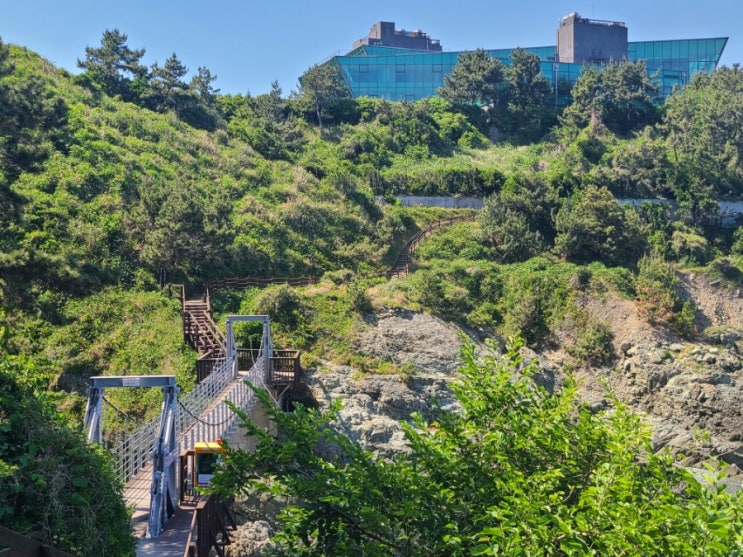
<point x="54" y="487"/>
<point x="514" y="471"/>
<point x="125" y="173"/>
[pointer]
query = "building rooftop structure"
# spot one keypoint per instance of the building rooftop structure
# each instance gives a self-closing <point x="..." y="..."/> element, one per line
<point x="590" y="41"/>
<point x="383" y="33"/>
<point x="376" y="67"/>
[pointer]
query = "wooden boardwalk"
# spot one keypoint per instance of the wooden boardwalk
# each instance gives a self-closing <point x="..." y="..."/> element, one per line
<point x="173" y="541"/>
<point x="137" y="497"/>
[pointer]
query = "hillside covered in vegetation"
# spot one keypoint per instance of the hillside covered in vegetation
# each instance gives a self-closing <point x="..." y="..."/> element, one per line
<point x="124" y="177"/>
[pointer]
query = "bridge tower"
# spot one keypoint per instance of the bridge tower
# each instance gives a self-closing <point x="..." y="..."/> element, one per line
<point x="165" y="454"/>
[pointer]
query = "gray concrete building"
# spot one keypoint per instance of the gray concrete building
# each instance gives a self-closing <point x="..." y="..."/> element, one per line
<point x="590" y="41"/>
<point x="383" y="33"/>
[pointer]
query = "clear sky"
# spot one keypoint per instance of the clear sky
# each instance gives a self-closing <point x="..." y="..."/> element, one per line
<point x="248" y="44"/>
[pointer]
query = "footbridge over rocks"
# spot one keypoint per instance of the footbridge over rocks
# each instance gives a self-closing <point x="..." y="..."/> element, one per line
<point x="170" y="518"/>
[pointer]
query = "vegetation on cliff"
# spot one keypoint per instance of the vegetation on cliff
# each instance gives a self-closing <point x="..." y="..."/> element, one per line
<point x="515" y="470"/>
<point x="123" y="175"/>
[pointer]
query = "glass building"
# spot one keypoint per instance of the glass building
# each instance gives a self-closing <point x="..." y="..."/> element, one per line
<point x="405" y="74"/>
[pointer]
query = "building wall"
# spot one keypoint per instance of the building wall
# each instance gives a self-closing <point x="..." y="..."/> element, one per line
<point x="406" y="74"/>
<point x="383" y="33"/>
<point x="581" y="40"/>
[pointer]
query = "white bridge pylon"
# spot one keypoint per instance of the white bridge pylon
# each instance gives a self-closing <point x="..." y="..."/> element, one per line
<point x="266" y="349"/>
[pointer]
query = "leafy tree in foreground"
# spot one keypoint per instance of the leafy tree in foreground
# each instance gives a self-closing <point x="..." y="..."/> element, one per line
<point x="516" y="471"/>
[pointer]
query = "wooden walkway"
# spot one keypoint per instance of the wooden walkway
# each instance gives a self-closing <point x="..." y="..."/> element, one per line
<point x="173" y="541"/>
<point x="404" y="259"/>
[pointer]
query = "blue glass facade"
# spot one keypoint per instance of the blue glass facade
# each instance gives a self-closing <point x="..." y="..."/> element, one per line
<point x="398" y="74"/>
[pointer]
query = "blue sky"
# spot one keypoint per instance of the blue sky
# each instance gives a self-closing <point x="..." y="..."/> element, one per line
<point x="250" y="43"/>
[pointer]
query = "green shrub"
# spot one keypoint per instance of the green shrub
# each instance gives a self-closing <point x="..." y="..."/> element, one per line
<point x="54" y="487"/>
<point x="473" y="139"/>
<point x="656" y="286"/>
<point x="358" y="298"/>
<point x="282" y="304"/>
<point x="684" y="319"/>
<point x="526" y="317"/>
<point x="689" y="247"/>
<point x="596" y="228"/>
<point x="659" y="298"/>
<point x="593" y="340"/>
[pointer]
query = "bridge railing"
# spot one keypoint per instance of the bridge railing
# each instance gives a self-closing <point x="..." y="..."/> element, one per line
<point x="240" y="283"/>
<point x="133" y="451"/>
<point x="219" y="421"/>
<point x="401" y="268"/>
<point x="285" y="368"/>
<point x="209" y="527"/>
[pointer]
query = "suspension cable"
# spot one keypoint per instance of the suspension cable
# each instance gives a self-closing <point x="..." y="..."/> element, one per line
<point x="118" y="410"/>
<point x="195" y="417"/>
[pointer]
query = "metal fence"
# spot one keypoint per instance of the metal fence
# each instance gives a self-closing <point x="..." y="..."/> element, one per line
<point x="203" y="416"/>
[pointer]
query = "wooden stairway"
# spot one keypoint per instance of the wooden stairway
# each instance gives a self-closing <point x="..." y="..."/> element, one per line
<point x="404" y="259"/>
<point x="200" y="331"/>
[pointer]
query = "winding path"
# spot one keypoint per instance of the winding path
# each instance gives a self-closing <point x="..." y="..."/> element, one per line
<point x="401" y="268"/>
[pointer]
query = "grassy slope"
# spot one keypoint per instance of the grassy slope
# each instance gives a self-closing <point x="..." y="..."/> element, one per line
<point x="132" y="192"/>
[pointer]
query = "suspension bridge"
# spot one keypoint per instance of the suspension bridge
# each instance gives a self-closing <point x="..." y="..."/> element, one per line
<point x="169" y="517"/>
<point x="153" y="460"/>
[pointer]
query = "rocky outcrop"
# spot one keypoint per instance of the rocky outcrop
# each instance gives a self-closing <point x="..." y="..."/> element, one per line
<point x="689" y="391"/>
<point x="375" y="405"/>
<point x="430" y="345"/>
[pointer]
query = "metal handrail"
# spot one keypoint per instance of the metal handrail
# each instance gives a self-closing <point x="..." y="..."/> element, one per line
<point x="402" y="261"/>
<point x="202" y="418"/>
<point x="246" y="282"/>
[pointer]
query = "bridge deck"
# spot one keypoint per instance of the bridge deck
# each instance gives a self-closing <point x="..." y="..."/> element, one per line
<point x="137" y="496"/>
<point x="173" y="539"/>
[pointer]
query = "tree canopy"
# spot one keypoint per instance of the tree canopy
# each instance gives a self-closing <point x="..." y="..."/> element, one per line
<point x="528" y="111"/>
<point x="704" y="122"/>
<point x="620" y="96"/>
<point x="515" y="471"/>
<point x="320" y="86"/>
<point x="114" y="66"/>
<point x="594" y="227"/>
<point x="475" y="79"/>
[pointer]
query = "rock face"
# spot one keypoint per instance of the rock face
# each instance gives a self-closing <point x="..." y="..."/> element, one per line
<point x="690" y="391"/>
<point x="374" y="405"/>
<point x="429" y="344"/>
